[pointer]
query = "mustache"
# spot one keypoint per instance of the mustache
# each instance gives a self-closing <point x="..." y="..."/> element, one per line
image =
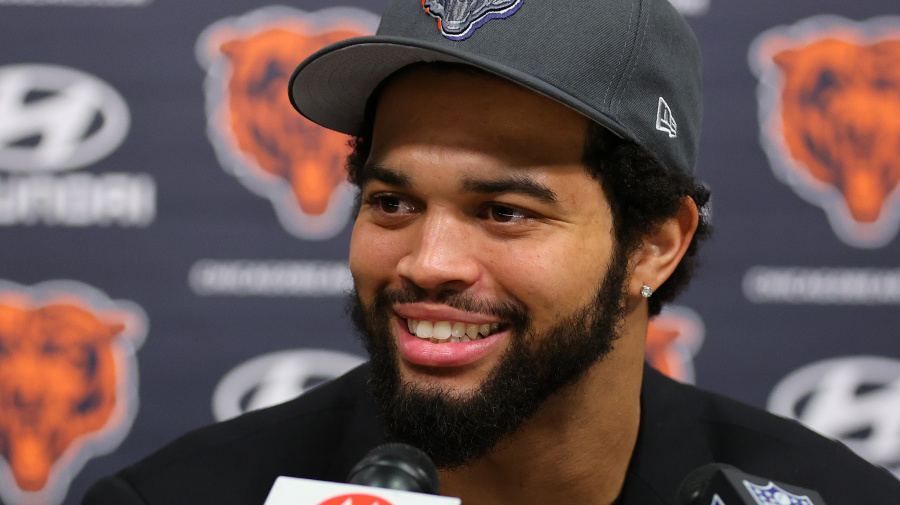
<point x="510" y="310"/>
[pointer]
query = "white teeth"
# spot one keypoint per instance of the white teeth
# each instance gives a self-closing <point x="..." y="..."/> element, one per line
<point x="424" y="329"/>
<point x="441" y="330"/>
<point x="446" y="331"/>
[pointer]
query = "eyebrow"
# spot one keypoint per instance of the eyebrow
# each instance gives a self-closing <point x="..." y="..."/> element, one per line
<point x="386" y="175"/>
<point x="520" y="185"/>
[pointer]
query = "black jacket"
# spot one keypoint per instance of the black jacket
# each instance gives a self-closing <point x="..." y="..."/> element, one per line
<point x="322" y="434"/>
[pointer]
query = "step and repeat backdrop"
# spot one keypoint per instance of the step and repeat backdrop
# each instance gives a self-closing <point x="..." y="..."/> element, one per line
<point x="173" y="236"/>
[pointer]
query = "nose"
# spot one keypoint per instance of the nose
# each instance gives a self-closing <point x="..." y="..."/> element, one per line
<point x="444" y="255"/>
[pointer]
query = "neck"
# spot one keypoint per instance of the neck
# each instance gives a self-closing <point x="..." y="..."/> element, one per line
<point x="575" y="449"/>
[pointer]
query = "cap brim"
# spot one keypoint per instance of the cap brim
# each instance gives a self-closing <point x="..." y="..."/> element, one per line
<point x="332" y="86"/>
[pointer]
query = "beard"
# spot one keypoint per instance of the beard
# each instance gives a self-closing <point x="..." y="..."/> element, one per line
<point x="456" y="430"/>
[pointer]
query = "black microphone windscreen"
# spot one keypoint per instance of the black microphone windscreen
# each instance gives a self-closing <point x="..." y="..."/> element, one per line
<point x="396" y="466"/>
<point x="718" y="483"/>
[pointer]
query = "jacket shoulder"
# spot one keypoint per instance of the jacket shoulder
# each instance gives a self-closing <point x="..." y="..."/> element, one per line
<point x="764" y="444"/>
<point x="319" y="435"/>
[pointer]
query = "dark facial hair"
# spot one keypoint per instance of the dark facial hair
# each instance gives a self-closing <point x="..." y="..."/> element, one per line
<point x="454" y="430"/>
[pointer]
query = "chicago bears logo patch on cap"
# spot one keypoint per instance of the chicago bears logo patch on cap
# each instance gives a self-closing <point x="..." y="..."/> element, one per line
<point x="458" y="19"/>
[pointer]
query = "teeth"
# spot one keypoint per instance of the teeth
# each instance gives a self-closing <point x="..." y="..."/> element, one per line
<point x="424" y="329"/>
<point x="446" y="331"/>
<point x="441" y="330"/>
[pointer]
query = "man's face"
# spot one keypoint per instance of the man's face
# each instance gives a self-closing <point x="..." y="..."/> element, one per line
<point x="477" y="218"/>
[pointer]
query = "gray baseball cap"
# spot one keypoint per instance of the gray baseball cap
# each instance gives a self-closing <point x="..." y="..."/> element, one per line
<point x="632" y="66"/>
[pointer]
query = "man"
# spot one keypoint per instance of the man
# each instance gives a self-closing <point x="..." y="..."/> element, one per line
<point x="526" y="204"/>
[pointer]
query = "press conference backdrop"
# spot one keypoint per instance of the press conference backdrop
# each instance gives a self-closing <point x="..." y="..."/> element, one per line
<point x="173" y="237"/>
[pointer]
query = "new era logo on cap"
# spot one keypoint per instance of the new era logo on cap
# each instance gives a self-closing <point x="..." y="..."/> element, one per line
<point x="665" y="122"/>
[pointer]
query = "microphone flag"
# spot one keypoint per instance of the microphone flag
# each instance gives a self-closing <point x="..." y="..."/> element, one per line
<point x="296" y="491"/>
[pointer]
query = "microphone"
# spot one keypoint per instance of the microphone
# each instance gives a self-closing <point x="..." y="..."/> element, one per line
<point x="391" y="474"/>
<point x="396" y="466"/>
<point x="721" y="484"/>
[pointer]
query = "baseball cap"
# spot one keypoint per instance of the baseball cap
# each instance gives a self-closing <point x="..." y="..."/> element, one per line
<point x="632" y="66"/>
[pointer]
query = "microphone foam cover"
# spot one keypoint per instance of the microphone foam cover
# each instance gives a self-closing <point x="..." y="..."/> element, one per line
<point x="696" y="482"/>
<point x="396" y="466"/>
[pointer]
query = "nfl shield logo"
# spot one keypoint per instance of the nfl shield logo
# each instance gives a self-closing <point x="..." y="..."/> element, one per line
<point x="771" y="494"/>
<point x="458" y="19"/>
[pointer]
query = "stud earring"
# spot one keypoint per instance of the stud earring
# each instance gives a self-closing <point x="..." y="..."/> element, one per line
<point x="646" y="291"/>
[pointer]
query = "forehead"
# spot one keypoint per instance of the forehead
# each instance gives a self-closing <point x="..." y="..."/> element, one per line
<point x="467" y="111"/>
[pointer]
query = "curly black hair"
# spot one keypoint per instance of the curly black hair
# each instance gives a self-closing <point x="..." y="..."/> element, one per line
<point x="641" y="192"/>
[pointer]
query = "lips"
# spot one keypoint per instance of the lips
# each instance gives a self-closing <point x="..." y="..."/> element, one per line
<point x="437" y="346"/>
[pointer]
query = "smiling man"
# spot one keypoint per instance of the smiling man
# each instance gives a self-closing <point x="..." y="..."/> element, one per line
<point x="490" y="278"/>
<point x="527" y="203"/>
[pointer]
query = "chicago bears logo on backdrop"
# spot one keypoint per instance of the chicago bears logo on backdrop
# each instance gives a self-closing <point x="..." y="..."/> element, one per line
<point x="257" y="134"/>
<point x="68" y="384"/>
<point x="673" y="338"/>
<point x="829" y="99"/>
<point x="458" y="19"/>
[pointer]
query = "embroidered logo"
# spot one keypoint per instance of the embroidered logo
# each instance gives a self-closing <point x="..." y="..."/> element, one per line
<point x="828" y="100"/>
<point x="665" y="122"/>
<point x="458" y="19"/>
<point x="771" y="494"/>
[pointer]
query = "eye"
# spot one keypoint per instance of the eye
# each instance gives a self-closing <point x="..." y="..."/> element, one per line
<point x="391" y="204"/>
<point x="503" y="213"/>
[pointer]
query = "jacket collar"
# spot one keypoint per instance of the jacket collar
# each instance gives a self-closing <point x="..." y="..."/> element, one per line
<point x="670" y="443"/>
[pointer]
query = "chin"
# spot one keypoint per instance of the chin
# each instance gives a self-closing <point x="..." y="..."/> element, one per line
<point x="458" y="382"/>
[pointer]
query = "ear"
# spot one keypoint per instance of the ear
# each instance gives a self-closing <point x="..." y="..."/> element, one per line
<point x="662" y="249"/>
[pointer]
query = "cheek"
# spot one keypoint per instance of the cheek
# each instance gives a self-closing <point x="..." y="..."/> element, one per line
<point x="373" y="258"/>
<point x="552" y="280"/>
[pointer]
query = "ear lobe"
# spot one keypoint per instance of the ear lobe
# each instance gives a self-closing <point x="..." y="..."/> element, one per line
<point x="661" y="250"/>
